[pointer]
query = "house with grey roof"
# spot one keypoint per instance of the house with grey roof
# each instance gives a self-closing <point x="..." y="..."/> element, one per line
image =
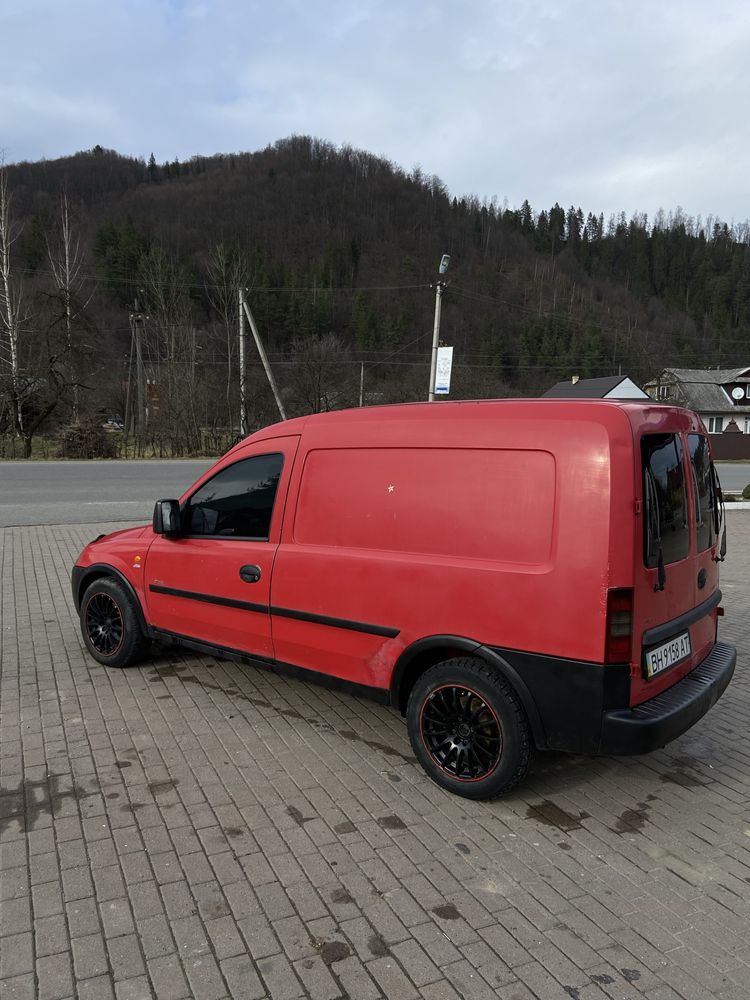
<point x="610" y="387"/>
<point x="721" y="396"/>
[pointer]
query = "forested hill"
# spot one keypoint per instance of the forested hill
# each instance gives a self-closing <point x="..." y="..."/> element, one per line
<point x="338" y="249"/>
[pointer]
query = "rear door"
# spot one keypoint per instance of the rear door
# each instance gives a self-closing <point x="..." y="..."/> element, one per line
<point x="674" y="571"/>
<point x="705" y="535"/>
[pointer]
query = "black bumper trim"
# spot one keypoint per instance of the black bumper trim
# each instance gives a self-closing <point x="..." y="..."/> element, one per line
<point x="224" y="602"/>
<point x="661" y="719"/>
<point x="303" y="616"/>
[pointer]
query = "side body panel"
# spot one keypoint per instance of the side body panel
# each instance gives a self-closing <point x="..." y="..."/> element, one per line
<point x="537" y="583"/>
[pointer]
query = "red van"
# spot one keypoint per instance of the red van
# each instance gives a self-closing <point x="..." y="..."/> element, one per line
<point x="506" y="573"/>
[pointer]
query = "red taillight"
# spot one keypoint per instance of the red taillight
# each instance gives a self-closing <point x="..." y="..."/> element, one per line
<point x="619" y="626"/>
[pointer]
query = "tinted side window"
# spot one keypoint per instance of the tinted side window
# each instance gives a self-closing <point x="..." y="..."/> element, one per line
<point x="666" y="520"/>
<point x="705" y="497"/>
<point x="238" y="501"/>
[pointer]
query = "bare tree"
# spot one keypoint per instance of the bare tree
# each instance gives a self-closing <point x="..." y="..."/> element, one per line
<point x="65" y="259"/>
<point x="171" y="347"/>
<point x="45" y="390"/>
<point x="227" y="273"/>
<point x="12" y="314"/>
<point x="318" y="375"/>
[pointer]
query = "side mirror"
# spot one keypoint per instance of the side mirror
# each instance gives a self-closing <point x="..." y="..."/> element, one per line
<point x="167" y="518"/>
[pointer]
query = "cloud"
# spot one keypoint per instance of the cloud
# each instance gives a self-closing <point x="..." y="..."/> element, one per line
<point x="608" y="105"/>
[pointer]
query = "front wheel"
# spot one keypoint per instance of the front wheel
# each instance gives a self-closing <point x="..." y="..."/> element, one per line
<point x="468" y="728"/>
<point x="109" y="624"/>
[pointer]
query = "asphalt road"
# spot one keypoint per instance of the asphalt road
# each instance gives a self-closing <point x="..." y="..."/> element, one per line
<point x="734" y="476"/>
<point x="87" y="492"/>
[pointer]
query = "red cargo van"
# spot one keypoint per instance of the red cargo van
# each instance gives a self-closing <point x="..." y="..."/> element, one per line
<point x="506" y="573"/>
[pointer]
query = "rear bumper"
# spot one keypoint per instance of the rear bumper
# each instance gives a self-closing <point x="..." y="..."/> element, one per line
<point x="671" y="713"/>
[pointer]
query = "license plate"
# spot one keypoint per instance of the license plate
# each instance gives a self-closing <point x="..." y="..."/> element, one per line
<point x="666" y="655"/>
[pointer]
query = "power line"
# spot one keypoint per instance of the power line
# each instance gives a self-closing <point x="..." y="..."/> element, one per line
<point x="471" y="295"/>
<point x="579" y="321"/>
<point x="204" y="285"/>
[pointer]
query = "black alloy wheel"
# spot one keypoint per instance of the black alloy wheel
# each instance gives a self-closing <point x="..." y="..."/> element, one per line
<point x="104" y="624"/>
<point x="461" y="732"/>
<point x="110" y="624"/>
<point x="468" y="728"/>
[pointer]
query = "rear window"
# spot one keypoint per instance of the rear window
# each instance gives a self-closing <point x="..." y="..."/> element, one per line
<point x="705" y="494"/>
<point x="666" y="534"/>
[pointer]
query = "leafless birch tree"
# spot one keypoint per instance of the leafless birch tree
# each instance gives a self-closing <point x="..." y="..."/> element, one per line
<point x="65" y="259"/>
<point x="12" y="313"/>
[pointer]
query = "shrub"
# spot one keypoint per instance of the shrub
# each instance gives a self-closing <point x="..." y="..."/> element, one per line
<point x="87" y="439"/>
<point x="746" y="492"/>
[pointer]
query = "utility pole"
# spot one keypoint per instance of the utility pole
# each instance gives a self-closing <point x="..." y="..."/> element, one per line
<point x="439" y="286"/>
<point x="140" y="376"/>
<point x="243" y="377"/>
<point x="126" y="422"/>
<point x="259" y="344"/>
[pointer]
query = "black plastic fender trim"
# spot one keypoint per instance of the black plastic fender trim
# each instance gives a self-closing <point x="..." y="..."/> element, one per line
<point x="81" y="575"/>
<point x="454" y="644"/>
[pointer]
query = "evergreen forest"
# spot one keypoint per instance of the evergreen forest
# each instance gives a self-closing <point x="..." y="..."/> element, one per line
<point x="120" y="279"/>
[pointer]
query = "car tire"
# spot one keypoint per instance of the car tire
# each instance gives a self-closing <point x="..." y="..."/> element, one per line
<point x="110" y="626"/>
<point x="468" y="729"/>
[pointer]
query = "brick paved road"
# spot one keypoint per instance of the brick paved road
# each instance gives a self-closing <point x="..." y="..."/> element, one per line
<point x="191" y="828"/>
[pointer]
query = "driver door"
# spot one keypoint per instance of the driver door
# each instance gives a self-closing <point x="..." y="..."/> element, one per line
<point x="213" y="582"/>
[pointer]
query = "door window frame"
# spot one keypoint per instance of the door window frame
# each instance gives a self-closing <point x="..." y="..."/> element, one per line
<point x="185" y="505"/>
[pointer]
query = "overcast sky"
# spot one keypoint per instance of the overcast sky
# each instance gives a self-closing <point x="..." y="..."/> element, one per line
<point x="605" y="104"/>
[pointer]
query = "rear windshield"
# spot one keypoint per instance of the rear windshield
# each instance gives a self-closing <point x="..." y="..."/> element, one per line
<point x="705" y="494"/>
<point x="665" y="500"/>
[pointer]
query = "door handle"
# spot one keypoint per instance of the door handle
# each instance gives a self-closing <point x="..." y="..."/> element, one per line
<point x="250" y="574"/>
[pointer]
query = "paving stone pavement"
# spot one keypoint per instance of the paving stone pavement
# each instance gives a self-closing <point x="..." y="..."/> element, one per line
<point x="193" y="828"/>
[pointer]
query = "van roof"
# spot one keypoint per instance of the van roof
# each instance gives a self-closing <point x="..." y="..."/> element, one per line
<point x="636" y="410"/>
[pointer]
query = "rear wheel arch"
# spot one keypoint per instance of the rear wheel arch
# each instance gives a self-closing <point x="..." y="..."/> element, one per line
<point x="426" y="653"/>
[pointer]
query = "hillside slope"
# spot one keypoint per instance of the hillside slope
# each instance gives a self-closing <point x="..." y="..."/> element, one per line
<point x="338" y="249"/>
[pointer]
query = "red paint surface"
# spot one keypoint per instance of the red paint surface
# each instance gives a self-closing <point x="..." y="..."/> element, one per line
<point x="507" y="523"/>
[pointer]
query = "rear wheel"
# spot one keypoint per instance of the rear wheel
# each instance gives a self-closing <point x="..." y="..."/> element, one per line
<point x="468" y="728"/>
<point x="109" y="624"/>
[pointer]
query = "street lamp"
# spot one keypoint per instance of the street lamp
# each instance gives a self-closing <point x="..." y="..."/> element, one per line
<point x="439" y="286"/>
